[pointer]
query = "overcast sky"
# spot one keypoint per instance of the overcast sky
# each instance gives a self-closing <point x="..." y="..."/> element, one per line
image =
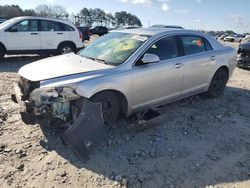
<point x="192" y="14"/>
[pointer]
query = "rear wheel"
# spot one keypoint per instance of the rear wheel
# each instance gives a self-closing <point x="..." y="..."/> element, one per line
<point x="218" y="83"/>
<point x="110" y="107"/>
<point x="66" y="48"/>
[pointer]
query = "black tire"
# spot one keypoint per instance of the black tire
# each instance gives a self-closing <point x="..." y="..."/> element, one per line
<point x="66" y="48"/>
<point x="2" y="52"/>
<point x="110" y="106"/>
<point x="218" y="83"/>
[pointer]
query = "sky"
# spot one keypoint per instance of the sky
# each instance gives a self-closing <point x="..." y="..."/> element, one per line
<point x="191" y="14"/>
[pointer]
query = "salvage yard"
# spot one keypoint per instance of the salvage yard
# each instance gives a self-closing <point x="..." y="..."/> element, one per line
<point x="197" y="142"/>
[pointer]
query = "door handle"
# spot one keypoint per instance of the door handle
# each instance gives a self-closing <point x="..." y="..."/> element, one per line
<point x="59" y="33"/>
<point x="212" y="58"/>
<point x="34" y="33"/>
<point x="178" y="65"/>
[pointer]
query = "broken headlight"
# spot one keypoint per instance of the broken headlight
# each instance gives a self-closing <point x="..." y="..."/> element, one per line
<point x="49" y="95"/>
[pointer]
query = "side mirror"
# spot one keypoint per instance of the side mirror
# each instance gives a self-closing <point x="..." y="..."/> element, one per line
<point x="12" y="29"/>
<point x="150" y="58"/>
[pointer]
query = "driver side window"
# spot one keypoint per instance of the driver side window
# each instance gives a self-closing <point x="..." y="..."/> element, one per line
<point x="25" y="26"/>
<point x="165" y="48"/>
<point x="21" y="26"/>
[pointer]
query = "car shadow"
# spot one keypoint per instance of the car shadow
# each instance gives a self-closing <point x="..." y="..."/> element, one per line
<point x="197" y="142"/>
<point x="13" y="63"/>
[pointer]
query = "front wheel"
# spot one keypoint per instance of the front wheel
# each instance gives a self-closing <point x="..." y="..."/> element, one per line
<point x="218" y="83"/>
<point x="110" y="107"/>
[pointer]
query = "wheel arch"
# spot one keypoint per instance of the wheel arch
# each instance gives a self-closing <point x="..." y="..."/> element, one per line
<point x="121" y="97"/>
<point x="223" y="67"/>
<point x="67" y="42"/>
<point x="4" y="47"/>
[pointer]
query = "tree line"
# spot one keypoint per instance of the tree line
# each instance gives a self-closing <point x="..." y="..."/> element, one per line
<point x="85" y="16"/>
<point x="100" y="17"/>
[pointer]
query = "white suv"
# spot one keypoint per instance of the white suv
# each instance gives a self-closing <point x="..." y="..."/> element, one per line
<point x="38" y="35"/>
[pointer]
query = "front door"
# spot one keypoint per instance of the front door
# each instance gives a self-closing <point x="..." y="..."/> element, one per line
<point x="156" y="82"/>
<point x="23" y="35"/>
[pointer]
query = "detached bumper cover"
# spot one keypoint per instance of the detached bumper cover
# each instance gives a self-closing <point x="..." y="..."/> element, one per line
<point x="87" y="131"/>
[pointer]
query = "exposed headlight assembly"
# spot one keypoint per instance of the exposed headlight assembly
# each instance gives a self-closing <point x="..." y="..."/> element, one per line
<point x="49" y="95"/>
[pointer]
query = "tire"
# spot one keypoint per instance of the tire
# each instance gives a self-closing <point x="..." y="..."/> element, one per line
<point x="110" y="107"/>
<point x="66" y="48"/>
<point x="2" y="52"/>
<point x="218" y="83"/>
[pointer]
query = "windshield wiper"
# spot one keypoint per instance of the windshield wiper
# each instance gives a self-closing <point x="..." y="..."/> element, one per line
<point x="98" y="60"/>
<point x="101" y="61"/>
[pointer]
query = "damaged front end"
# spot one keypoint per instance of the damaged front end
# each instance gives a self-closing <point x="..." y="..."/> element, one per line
<point x="243" y="58"/>
<point x="53" y="102"/>
<point x="86" y="125"/>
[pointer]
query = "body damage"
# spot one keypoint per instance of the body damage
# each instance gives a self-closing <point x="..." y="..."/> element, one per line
<point x="64" y="86"/>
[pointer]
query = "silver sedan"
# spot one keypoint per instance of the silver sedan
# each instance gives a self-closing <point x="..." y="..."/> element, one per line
<point x="127" y="71"/>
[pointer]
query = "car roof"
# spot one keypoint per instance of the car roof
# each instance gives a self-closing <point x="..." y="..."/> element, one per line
<point x="155" y="31"/>
<point x="42" y="18"/>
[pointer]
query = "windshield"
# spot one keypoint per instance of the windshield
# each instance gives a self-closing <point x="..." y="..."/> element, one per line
<point x="7" y="22"/>
<point x="114" y="48"/>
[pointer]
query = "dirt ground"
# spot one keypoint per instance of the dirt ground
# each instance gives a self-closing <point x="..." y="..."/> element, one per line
<point x="197" y="142"/>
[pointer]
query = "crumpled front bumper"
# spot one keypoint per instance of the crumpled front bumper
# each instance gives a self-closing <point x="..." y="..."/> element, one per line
<point x="86" y="131"/>
<point x="17" y="97"/>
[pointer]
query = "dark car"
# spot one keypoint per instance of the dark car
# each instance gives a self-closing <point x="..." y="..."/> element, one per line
<point x="99" y="30"/>
<point x="2" y="20"/>
<point x="167" y="26"/>
<point x="85" y="33"/>
<point x="243" y="59"/>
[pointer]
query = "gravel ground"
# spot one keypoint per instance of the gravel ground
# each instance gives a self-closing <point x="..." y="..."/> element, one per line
<point x="197" y="142"/>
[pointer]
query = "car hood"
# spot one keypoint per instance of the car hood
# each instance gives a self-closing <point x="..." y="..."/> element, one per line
<point x="58" y="66"/>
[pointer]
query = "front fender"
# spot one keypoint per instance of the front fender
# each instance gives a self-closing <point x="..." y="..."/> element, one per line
<point x="121" y="84"/>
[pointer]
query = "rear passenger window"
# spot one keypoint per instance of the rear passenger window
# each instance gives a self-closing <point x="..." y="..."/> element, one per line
<point x="165" y="48"/>
<point x="193" y="44"/>
<point x="50" y="26"/>
<point x="67" y="28"/>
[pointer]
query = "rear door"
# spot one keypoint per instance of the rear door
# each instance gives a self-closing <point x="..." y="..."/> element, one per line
<point x="70" y="34"/>
<point x="23" y="35"/>
<point x="198" y="57"/>
<point x="51" y="34"/>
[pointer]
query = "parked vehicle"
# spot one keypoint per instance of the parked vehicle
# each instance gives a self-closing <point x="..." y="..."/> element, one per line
<point x="223" y="36"/>
<point x="247" y="37"/>
<point x="243" y="58"/>
<point x="167" y="26"/>
<point x="38" y="35"/>
<point x="233" y="38"/>
<point x="99" y="30"/>
<point x="130" y="27"/>
<point x="2" y="20"/>
<point x="85" y="33"/>
<point x="126" y="71"/>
